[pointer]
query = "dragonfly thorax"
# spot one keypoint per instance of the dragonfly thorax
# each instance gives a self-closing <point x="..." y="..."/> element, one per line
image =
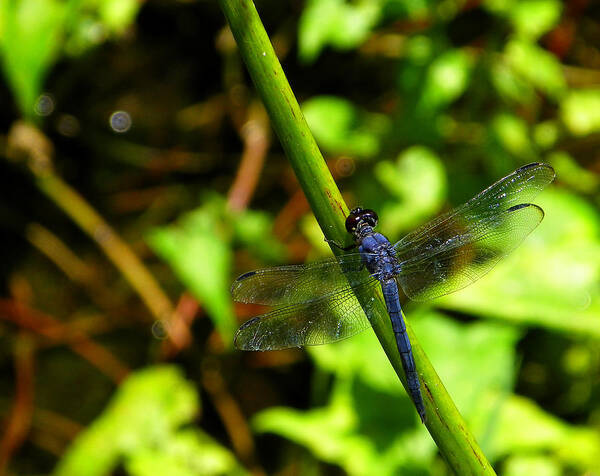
<point x="379" y="256"/>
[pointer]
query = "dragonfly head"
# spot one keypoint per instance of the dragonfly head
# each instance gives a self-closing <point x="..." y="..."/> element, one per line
<point x="359" y="218"/>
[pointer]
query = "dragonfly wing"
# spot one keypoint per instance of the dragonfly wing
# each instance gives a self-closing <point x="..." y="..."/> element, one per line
<point x="459" y="247"/>
<point x="286" y="285"/>
<point x="327" y="319"/>
<point x="465" y="258"/>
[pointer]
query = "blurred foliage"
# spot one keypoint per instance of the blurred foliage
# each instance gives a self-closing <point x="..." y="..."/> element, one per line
<point x="579" y="112"/>
<point x="337" y="23"/>
<point x="34" y="33"/>
<point x="143" y="429"/>
<point x="205" y="236"/>
<point x="342" y="128"/>
<point x="417" y="105"/>
<point x="363" y="426"/>
<point x="354" y="432"/>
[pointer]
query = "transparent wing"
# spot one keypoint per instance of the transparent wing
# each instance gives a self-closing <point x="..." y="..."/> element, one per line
<point x="286" y="285"/>
<point x="321" y="321"/>
<point x="459" y="247"/>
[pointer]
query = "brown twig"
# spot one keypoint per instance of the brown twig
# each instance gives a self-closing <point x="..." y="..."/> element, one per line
<point x="186" y="311"/>
<point x="231" y="415"/>
<point x="76" y="269"/>
<point x="256" y="137"/>
<point x="49" y="430"/>
<point x="19" y="419"/>
<point x="46" y="326"/>
<point x="250" y="120"/>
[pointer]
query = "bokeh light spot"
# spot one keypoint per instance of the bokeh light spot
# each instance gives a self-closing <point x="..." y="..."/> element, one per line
<point x="120" y="121"/>
<point x="345" y="166"/>
<point x="68" y="125"/>
<point x="159" y="331"/>
<point x="44" y="106"/>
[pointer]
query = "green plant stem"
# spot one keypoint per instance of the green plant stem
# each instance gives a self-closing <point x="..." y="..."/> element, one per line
<point x="444" y="422"/>
<point x="287" y="118"/>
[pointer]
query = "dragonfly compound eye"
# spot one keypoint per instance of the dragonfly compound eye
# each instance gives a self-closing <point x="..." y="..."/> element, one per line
<point x="369" y="217"/>
<point x="353" y="219"/>
<point x="358" y="216"/>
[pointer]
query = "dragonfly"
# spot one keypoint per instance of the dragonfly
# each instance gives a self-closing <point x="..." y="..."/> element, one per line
<point x="316" y="303"/>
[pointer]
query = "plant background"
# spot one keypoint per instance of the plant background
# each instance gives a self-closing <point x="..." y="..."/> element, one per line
<point x="417" y="106"/>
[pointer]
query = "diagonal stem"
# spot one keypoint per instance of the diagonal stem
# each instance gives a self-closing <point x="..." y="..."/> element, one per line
<point x="444" y="422"/>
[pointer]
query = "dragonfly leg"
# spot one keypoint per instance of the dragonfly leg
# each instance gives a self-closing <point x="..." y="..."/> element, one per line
<point x="337" y="245"/>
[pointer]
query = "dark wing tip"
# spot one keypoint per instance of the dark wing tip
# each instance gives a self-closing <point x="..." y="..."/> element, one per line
<point x="525" y="205"/>
<point x="237" y="283"/>
<point x="518" y="207"/>
<point x="529" y="166"/>
<point x="245" y="276"/>
<point x="537" y="164"/>
<point x="246" y="324"/>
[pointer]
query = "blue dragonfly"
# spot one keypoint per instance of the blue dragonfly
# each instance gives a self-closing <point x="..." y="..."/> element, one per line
<point x="315" y="303"/>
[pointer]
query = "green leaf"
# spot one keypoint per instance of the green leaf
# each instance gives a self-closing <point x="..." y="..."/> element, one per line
<point x="420" y="49"/>
<point x="510" y="86"/>
<point x="580" y="111"/>
<point x="147" y="409"/>
<point x="188" y="453"/>
<point x="407" y="9"/>
<point x="327" y="432"/>
<point x="499" y="7"/>
<point x="197" y="249"/>
<point x="417" y="180"/>
<point x="526" y="465"/>
<point x="487" y="351"/>
<point x="512" y="134"/>
<point x="532" y="18"/>
<point x="33" y="34"/>
<point x="341" y="128"/>
<point x="30" y="36"/>
<point x="332" y="434"/>
<point x="572" y="174"/>
<point x="253" y="229"/>
<point x="541" y="68"/>
<point x="359" y="357"/>
<point x="523" y="427"/>
<point x="529" y="18"/>
<point x="97" y="21"/>
<point x="117" y="15"/>
<point x="446" y="79"/>
<point x="337" y="23"/>
<point x="546" y="134"/>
